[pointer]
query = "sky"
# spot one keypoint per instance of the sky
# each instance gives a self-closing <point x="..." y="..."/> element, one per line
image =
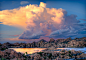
<point x="31" y="20"/>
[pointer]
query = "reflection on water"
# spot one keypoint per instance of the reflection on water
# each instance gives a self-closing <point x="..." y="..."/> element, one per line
<point x="33" y="50"/>
<point x="78" y="49"/>
<point x="28" y="50"/>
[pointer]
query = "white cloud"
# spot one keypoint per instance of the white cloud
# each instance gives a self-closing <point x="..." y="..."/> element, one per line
<point x="24" y="2"/>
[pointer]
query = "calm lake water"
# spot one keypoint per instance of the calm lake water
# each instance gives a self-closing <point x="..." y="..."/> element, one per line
<point x="33" y="50"/>
<point x="28" y="50"/>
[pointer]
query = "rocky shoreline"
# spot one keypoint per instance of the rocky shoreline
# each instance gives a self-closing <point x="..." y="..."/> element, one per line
<point x="49" y="53"/>
<point x="59" y="43"/>
<point x="10" y="54"/>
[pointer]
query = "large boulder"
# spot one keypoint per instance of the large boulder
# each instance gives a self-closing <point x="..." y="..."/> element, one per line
<point x="52" y="48"/>
<point x="52" y="40"/>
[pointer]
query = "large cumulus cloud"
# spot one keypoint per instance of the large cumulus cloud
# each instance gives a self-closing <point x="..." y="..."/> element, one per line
<point x="43" y="22"/>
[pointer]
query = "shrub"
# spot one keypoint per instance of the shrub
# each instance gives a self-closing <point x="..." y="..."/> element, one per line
<point x="62" y="54"/>
<point x="69" y="51"/>
<point x="50" y="55"/>
<point x="70" y="55"/>
<point x="0" y="56"/>
<point x="7" y="58"/>
<point x="26" y="52"/>
<point x="44" y="57"/>
<point x="40" y="53"/>
<point x="3" y="48"/>
<point x="29" y="57"/>
<point x="3" y="58"/>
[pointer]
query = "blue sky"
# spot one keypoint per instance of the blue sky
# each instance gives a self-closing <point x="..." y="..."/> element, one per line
<point x="76" y="7"/>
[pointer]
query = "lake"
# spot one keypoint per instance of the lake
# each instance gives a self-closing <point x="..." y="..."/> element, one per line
<point x="28" y="50"/>
<point x="33" y="50"/>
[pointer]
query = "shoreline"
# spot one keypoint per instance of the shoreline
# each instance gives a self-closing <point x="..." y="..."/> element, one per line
<point x="59" y="43"/>
<point x="49" y="53"/>
<point x="57" y="55"/>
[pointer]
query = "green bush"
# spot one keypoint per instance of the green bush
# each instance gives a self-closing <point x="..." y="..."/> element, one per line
<point x="7" y="58"/>
<point x="62" y="54"/>
<point x="0" y="45"/>
<point x="45" y="57"/>
<point x="3" y="58"/>
<point x="29" y="57"/>
<point x="70" y="55"/>
<point x="69" y="51"/>
<point x="3" y="48"/>
<point x="26" y="52"/>
<point x="50" y="55"/>
<point x="0" y="56"/>
<point x="17" y="59"/>
<point x="40" y="53"/>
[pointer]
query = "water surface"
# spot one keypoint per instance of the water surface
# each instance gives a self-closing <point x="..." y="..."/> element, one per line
<point x="33" y="50"/>
<point x="28" y="50"/>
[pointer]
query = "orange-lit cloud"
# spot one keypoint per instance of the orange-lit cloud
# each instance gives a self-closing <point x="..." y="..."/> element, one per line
<point x="22" y="16"/>
<point x="13" y="17"/>
<point x="41" y="21"/>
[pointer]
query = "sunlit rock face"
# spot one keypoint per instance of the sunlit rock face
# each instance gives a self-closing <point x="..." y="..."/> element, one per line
<point x="40" y="21"/>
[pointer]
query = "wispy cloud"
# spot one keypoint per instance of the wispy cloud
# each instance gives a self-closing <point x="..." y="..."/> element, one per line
<point x="24" y="2"/>
<point x="13" y="35"/>
<point x="83" y="19"/>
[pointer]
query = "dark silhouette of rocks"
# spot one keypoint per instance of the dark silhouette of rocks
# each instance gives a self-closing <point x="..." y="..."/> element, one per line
<point x="52" y="40"/>
<point x="47" y="54"/>
<point x="59" y="43"/>
<point x="11" y="54"/>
